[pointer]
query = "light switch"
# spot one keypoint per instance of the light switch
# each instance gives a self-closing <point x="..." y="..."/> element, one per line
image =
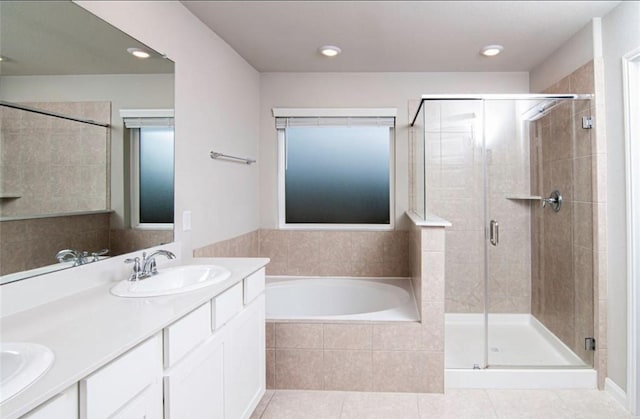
<point x="186" y="221"/>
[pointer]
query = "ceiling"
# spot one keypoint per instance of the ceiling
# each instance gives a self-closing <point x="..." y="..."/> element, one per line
<point x="60" y="38"/>
<point x="284" y="36"/>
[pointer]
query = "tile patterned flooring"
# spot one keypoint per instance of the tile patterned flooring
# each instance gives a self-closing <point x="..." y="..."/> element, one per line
<point x="454" y="404"/>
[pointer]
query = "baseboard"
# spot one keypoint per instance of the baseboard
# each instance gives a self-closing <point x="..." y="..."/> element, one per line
<point x="616" y="392"/>
<point x="521" y="378"/>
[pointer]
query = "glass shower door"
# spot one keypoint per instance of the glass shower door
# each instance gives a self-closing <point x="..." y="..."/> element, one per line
<point x="454" y="189"/>
<point x="539" y="260"/>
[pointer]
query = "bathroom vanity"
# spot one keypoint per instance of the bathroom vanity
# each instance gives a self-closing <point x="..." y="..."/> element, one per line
<point x="171" y="357"/>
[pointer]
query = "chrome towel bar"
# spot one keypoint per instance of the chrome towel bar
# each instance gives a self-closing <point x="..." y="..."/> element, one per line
<point x="216" y="155"/>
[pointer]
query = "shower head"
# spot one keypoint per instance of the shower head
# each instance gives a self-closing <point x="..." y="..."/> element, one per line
<point x="540" y="109"/>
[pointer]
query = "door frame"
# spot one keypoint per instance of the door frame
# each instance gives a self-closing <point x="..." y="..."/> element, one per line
<point x="631" y="87"/>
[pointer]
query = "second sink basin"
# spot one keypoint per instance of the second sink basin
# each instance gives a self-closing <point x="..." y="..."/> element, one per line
<point x="21" y="364"/>
<point x="172" y="281"/>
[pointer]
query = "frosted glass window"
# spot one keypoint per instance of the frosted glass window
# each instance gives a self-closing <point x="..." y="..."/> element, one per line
<point x="337" y="175"/>
<point x="156" y="175"/>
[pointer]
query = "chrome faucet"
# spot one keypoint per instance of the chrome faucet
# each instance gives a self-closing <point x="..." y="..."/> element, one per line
<point x="79" y="257"/>
<point x="68" y="255"/>
<point x="149" y="262"/>
<point x="147" y="266"/>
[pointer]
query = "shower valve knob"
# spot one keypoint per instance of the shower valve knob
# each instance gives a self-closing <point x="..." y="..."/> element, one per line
<point x="554" y="201"/>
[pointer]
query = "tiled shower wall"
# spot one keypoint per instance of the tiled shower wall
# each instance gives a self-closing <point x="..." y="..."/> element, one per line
<point x="565" y="249"/>
<point x="51" y="165"/>
<point x="322" y="253"/>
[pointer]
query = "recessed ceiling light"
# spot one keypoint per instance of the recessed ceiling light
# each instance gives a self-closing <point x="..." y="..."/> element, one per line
<point x="329" y="50"/>
<point x="137" y="52"/>
<point x="491" y="50"/>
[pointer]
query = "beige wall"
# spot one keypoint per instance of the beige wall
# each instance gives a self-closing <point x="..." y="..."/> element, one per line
<point x="361" y="90"/>
<point x="620" y="35"/>
<point x="577" y="51"/>
<point x="217" y="100"/>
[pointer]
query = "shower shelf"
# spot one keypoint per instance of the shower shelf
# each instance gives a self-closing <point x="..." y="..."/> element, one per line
<point x="525" y="197"/>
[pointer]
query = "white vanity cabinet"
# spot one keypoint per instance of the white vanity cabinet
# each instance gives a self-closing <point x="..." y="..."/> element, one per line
<point x="244" y="361"/>
<point x="209" y="364"/>
<point x="129" y="387"/>
<point x="219" y="370"/>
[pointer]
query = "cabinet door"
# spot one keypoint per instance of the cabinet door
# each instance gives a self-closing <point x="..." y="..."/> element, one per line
<point x="62" y="406"/>
<point x="114" y="386"/>
<point x="244" y="358"/>
<point x="193" y="388"/>
<point x="147" y="405"/>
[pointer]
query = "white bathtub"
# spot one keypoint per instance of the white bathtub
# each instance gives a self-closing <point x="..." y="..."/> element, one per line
<point x="326" y="298"/>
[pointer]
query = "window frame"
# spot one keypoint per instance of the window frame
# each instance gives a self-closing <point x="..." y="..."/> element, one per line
<point x="328" y="113"/>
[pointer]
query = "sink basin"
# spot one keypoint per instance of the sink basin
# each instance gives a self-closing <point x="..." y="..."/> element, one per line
<point x="21" y="364"/>
<point x="172" y="281"/>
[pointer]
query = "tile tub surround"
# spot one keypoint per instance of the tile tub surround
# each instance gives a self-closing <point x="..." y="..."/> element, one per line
<point x="370" y="356"/>
<point x="31" y="243"/>
<point x="245" y="245"/>
<point x="321" y="253"/>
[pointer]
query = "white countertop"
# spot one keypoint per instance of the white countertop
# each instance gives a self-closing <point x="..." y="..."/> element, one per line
<point x="89" y="329"/>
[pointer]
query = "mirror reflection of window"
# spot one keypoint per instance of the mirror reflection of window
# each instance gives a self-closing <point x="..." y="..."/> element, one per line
<point x="152" y="168"/>
<point x="155" y="166"/>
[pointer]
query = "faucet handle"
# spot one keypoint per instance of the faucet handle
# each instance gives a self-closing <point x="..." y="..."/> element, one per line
<point x="135" y="275"/>
<point x="95" y="255"/>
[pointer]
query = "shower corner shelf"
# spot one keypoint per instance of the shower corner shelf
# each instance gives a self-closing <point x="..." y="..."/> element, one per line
<point x="6" y="195"/>
<point x="524" y="197"/>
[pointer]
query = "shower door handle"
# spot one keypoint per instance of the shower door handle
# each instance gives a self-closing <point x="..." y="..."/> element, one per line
<point x="494" y="232"/>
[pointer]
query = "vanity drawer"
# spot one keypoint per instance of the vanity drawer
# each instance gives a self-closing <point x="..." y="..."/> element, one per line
<point x="185" y="334"/>
<point x="226" y="305"/>
<point x="253" y="286"/>
<point x="113" y="386"/>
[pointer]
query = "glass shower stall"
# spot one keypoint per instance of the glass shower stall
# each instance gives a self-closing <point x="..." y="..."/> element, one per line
<point x="513" y="174"/>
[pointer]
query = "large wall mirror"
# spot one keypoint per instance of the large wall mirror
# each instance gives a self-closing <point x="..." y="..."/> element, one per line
<point x="86" y="140"/>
